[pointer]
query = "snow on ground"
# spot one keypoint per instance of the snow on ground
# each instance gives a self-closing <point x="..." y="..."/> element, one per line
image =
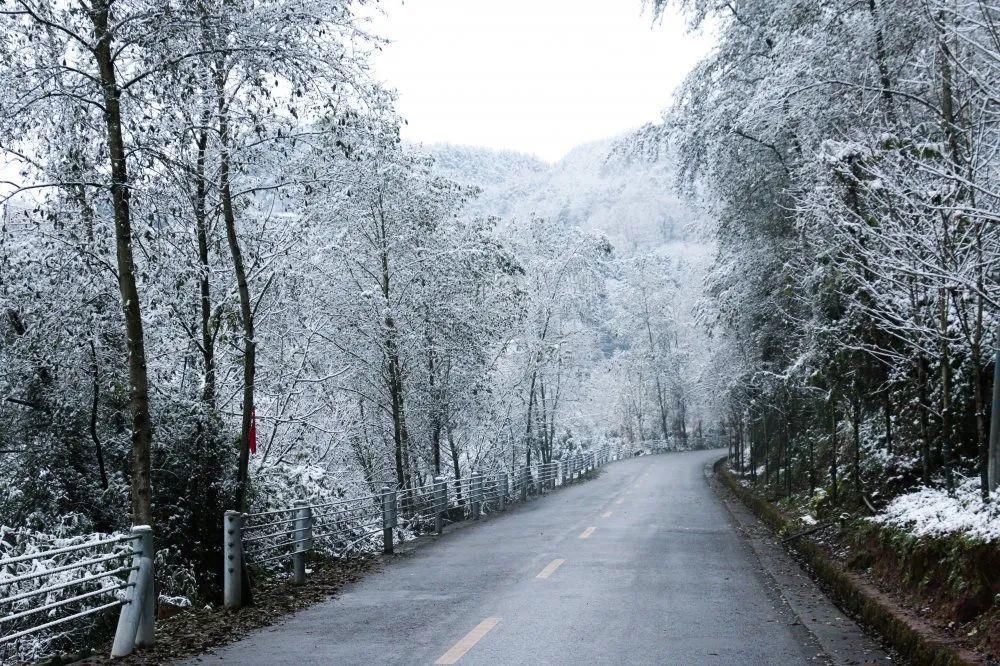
<point x="933" y="512"/>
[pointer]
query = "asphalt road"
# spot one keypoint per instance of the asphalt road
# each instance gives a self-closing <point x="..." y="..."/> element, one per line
<point x="643" y="565"/>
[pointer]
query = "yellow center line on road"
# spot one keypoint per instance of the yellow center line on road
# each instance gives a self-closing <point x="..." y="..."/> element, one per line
<point x="587" y="532"/>
<point x="550" y="568"/>
<point x="606" y="514"/>
<point x="468" y="641"/>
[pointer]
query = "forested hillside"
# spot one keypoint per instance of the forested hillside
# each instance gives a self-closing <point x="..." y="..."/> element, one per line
<point x="227" y="284"/>
<point x="633" y="202"/>
<point x="848" y="157"/>
<point x="656" y="347"/>
<point x="848" y="154"/>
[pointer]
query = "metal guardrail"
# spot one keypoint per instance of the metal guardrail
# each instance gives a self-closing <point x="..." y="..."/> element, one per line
<point x="288" y="535"/>
<point x="62" y="586"/>
<point x="47" y="595"/>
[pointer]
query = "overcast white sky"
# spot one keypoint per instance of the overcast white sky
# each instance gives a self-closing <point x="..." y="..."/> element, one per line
<point x="537" y="76"/>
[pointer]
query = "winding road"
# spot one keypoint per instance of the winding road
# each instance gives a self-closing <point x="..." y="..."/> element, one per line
<point x="643" y="565"/>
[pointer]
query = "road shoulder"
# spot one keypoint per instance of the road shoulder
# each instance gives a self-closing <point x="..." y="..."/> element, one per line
<point x="841" y="638"/>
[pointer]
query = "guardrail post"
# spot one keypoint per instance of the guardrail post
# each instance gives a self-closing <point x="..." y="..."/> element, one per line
<point x="388" y="518"/>
<point x="302" y="529"/>
<point x="476" y="490"/>
<point x="440" y="503"/>
<point x="147" y="631"/>
<point x="502" y="490"/>
<point x="135" y="622"/>
<point x="232" y="566"/>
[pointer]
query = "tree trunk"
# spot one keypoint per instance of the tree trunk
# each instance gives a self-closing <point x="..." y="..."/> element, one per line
<point x="95" y="403"/>
<point x="856" y="463"/>
<point x="948" y="117"/>
<point x="887" y="411"/>
<point x="682" y="420"/>
<point x="925" y="430"/>
<point x="664" y="417"/>
<point x="531" y="405"/>
<point x="946" y="429"/>
<point x="394" y="375"/>
<point x="766" y="442"/>
<point x="395" y="386"/>
<point x="994" y="454"/>
<point x="788" y="455"/>
<point x="435" y="408"/>
<point x="455" y="466"/>
<point x="543" y="429"/>
<point x="142" y="427"/>
<point x="883" y="68"/>
<point x="204" y="286"/>
<point x="978" y="377"/>
<point x="812" y="465"/>
<point x="660" y="398"/>
<point x="741" y="453"/>
<point x="833" y="454"/>
<point x="246" y="307"/>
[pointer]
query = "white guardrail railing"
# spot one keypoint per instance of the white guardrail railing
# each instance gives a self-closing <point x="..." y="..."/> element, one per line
<point x="45" y="595"/>
<point x="283" y="538"/>
<point x="54" y="597"/>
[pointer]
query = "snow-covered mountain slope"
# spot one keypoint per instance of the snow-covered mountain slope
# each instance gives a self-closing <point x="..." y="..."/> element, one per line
<point x="632" y="202"/>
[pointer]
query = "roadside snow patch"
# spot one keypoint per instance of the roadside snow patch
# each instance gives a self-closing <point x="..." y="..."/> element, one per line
<point x="932" y="512"/>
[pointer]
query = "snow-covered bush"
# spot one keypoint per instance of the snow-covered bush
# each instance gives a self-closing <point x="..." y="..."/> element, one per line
<point x="934" y="512"/>
<point x="44" y="573"/>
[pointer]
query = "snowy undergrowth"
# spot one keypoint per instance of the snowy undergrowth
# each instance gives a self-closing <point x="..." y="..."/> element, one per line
<point x="278" y="487"/>
<point x="932" y="512"/>
<point x="19" y="542"/>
